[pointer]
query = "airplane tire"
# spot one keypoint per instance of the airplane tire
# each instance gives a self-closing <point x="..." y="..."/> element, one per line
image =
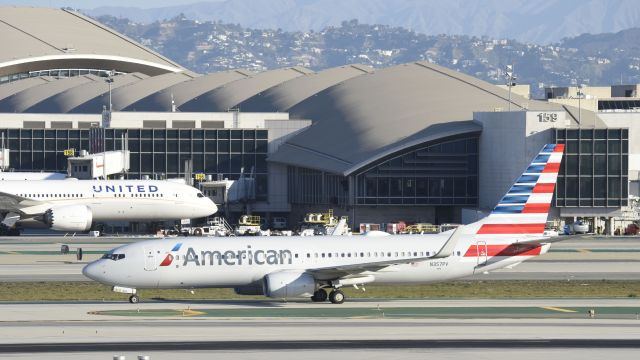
<point x="134" y="299"/>
<point x="319" y="295"/>
<point x="336" y="297"/>
<point x="197" y="232"/>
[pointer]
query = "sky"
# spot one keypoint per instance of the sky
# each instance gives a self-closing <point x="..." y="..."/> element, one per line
<point x="90" y="4"/>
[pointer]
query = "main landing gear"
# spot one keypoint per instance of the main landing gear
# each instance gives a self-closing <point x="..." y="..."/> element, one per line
<point x="336" y="296"/>
<point x="134" y="299"/>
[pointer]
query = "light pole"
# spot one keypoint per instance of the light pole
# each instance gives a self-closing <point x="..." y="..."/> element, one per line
<point x="580" y="105"/>
<point x="511" y="81"/>
<point x="109" y="81"/>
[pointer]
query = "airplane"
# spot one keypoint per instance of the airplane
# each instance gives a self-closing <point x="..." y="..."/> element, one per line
<point x="73" y="205"/>
<point x="296" y="267"/>
<point x="14" y="176"/>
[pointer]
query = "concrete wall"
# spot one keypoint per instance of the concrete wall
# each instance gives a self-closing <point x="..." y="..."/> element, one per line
<point x="279" y="131"/>
<point x="133" y="119"/>
<point x="508" y="143"/>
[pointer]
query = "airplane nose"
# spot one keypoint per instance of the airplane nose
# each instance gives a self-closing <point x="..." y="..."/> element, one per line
<point x="91" y="271"/>
<point x="211" y="208"/>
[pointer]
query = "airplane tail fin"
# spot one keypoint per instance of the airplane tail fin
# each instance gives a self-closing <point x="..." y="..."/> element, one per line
<point x="523" y="210"/>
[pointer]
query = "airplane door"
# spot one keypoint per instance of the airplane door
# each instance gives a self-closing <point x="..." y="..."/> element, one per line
<point x="481" y="251"/>
<point x="150" y="260"/>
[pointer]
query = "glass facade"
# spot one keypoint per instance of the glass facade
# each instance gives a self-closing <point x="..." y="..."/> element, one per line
<point x="58" y="73"/>
<point x="594" y="172"/>
<point x="443" y="173"/>
<point x="154" y="152"/>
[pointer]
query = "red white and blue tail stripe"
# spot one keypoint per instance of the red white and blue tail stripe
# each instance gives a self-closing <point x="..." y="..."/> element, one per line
<point x="524" y="209"/>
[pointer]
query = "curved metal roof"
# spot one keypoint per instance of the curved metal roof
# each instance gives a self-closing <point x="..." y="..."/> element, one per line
<point x="124" y="98"/>
<point x="231" y="94"/>
<point x="23" y="100"/>
<point x="187" y="90"/>
<point x="73" y="98"/>
<point x="44" y="38"/>
<point x="283" y="96"/>
<point x="369" y="117"/>
<point x="12" y="88"/>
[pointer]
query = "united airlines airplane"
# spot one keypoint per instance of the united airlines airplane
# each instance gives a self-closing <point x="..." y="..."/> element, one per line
<point x="73" y="205"/>
<point x="292" y="267"/>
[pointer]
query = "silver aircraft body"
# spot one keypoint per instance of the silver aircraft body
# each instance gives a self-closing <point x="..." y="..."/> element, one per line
<point x="291" y="267"/>
<point x="73" y="205"/>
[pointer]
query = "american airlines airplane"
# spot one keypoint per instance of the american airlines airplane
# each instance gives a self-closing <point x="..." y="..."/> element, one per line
<point x="73" y="205"/>
<point x="293" y="267"/>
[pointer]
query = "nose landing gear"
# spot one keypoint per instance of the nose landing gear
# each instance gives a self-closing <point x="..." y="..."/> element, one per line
<point x="134" y="299"/>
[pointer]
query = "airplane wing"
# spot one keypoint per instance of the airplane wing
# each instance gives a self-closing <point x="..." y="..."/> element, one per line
<point x="22" y="205"/>
<point x="344" y="271"/>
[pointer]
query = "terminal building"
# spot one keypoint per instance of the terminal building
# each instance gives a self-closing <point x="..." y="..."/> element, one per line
<point x="415" y="142"/>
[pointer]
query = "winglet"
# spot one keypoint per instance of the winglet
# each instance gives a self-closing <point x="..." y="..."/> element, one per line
<point x="450" y="245"/>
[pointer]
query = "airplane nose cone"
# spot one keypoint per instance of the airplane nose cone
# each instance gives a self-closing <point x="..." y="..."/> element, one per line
<point x="91" y="271"/>
<point x="211" y="207"/>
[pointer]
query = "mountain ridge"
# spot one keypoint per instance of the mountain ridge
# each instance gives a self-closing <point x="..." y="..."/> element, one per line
<point x="535" y="21"/>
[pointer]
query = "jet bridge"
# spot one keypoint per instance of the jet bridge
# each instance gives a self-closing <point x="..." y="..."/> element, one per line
<point x="99" y="165"/>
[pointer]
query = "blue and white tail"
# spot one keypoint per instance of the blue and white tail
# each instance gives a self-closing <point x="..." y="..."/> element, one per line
<point x="524" y="209"/>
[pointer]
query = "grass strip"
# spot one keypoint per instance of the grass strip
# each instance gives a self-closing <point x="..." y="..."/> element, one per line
<point x="61" y="291"/>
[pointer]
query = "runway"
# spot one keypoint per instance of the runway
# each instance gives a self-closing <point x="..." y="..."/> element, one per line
<point x="79" y="331"/>
<point x="371" y="329"/>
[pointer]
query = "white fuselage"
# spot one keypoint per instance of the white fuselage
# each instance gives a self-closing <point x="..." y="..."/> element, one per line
<point x="111" y="200"/>
<point x="242" y="261"/>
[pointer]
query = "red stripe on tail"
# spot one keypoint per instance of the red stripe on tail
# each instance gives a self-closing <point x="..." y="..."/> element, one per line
<point x="536" y="208"/>
<point x="544" y="188"/>
<point x="511" y="229"/>
<point x="551" y="168"/>
<point x="503" y="250"/>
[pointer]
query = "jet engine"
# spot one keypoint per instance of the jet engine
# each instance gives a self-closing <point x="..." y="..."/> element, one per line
<point x="69" y="218"/>
<point x="289" y="284"/>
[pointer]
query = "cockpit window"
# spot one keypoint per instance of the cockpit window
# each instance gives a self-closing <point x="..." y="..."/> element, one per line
<point x="200" y="195"/>
<point x="114" y="257"/>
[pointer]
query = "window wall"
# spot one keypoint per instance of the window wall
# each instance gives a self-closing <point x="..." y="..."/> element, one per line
<point x="444" y="173"/>
<point x="154" y="152"/>
<point x="594" y="172"/>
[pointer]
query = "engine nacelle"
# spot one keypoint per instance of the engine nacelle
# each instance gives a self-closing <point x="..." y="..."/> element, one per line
<point x="69" y="218"/>
<point x="289" y="284"/>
